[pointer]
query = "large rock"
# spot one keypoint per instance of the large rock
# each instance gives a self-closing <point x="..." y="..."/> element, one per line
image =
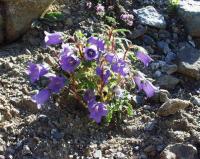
<point x="189" y="11"/>
<point x="150" y="16"/>
<point x="16" y="16"/>
<point x="168" y="81"/>
<point x="181" y="151"/>
<point x="189" y="62"/>
<point x="171" y="106"/>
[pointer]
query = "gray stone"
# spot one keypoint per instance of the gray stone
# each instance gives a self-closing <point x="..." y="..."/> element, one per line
<point x="157" y="65"/>
<point x="189" y="62"/>
<point x="138" y="100"/>
<point x="164" y="46"/>
<point x="157" y="74"/>
<point x="169" y="69"/>
<point x="27" y="104"/>
<point x="178" y="136"/>
<point x="98" y="154"/>
<point x="171" y="106"/>
<point x="149" y="16"/>
<point x="168" y="82"/>
<point x="138" y="31"/>
<point x="170" y="57"/>
<point x="179" y="150"/>
<point x="120" y="155"/>
<point x="149" y="40"/>
<point x="2" y="146"/>
<point x="189" y="11"/>
<point x="150" y="126"/>
<point x="195" y="100"/>
<point x="26" y="150"/>
<point x="19" y="16"/>
<point x="161" y="96"/>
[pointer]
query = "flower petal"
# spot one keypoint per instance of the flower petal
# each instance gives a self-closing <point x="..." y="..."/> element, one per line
<point x="41" y="97"/>
<point x="144" y="58"/>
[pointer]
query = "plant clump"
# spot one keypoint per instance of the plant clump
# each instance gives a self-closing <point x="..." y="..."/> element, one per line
<point x="96" y="70"/>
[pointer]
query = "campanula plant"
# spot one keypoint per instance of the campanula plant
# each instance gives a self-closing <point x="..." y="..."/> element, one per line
<point x="96" y="70"/>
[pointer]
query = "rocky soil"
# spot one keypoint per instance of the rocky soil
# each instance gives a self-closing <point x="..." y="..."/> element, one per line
<point x="164" y="127"/>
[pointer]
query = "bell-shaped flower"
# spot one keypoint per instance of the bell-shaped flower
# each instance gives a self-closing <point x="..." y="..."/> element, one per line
<point x="103" y="74"/>
<point x="97" y="110"/>
<point x="144" y="58"/>
<point x="144" y="84"/>
<point x="138" y="79"/>
<point x="53" y="38"/>
<point x="120" y="67"/>
<point x="69" y="62"/>
<point x="111" y="58"/>
<point x="56" y="84"/>
<point x="91" y="53"/>
<point x="66" y="49"/>
<point x="41" y="97"/>
<point x="89" y="95"/>
<point x="98" y="42"/>
<point x="35" y="71"/>
<point x="149" y="88"/>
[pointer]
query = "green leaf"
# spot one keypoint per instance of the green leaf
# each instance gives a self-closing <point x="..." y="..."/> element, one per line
<point x="110" y="20"/>
<point x="129" y="110"/>
<point x="54" y="16"/>
<point x="132" y="57"/>
<point x="122" y="31"/>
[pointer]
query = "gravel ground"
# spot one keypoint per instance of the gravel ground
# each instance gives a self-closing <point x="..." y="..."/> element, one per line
<point x="63" y="130"/>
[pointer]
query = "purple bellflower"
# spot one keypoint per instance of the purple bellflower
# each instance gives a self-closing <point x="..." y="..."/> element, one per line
<point x="69" y="62"/>
<point x="149" y="88"/>
<point x="97" y="110"/>
<point x="138" y="79"/>
<point x="56" y="84"/>
<point x="103" y="74"/>
<point x="35" y="71"/>
<point x="144" y="58"/>
<point x="41" y="97"/>
<point x="66" y="49"/>
<point x="120" y="67"/>
<point x="111" y="58"/>
<point x="98" y="42"/>
<point x="89" y="95"/>
<point x="91" y="53"/>
<point x="53" y="38"/>
<point x="145" y="85"/>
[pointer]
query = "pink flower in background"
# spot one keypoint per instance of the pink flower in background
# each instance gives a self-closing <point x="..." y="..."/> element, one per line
<point x="100" y="9"/>
<point x="127" y="18"/>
